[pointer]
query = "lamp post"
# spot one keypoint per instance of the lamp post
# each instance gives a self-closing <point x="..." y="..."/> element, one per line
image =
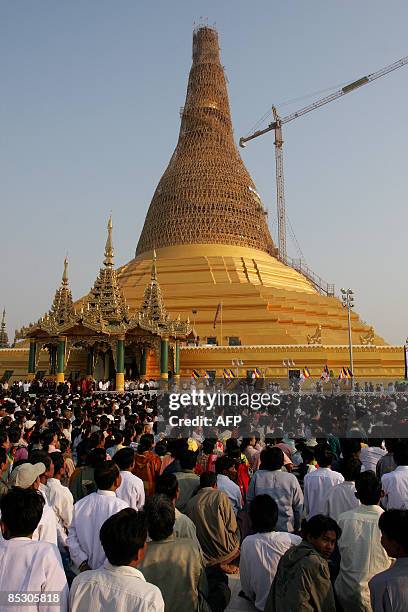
<point x="347" y="297"/>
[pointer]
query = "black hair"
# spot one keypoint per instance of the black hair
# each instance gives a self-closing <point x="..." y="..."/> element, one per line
<point x="272" y="458"/>
<point x="64" y="444"/>
<point x="208" y="479"/>
<point x="167" y="484"/>
<point x="21" y="511"/>
<point x="208" y="445"/>
<point x="96" y="438"/>
<point x="368" y="488"/>
<point x="319" y="524"/>
<point x="324" y="456"/>
<point x="263" y="511"/>
<point x="350" y="446"/>
<point x="394" y="523"/>
<point x="160" y="517"/>
<point x="58" y="461"/>
<point x="177" y="446"/>
<point x="351" y="468"/>
<point x="145" y="443"/>
<point x="14" y="434"/>
<point x="307" y="454"/>
<point x="105" y="475"/>
<point x="124" y="458"/>
<point x="401" y="453"/>
<point x="3" y="435"/>
<point x="39" y="456"/>
<point x="3" y="455"/>
<point x="223" y="464"/>
<point x="96" y="457"/>
<point x="122" y="536"/>
<point x="46" y="438"/>
<point x="188" y="460"/>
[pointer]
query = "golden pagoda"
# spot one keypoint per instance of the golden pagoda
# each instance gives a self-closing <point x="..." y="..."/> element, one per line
<point x="208" y="226"/>
<point x="206" y="239"/>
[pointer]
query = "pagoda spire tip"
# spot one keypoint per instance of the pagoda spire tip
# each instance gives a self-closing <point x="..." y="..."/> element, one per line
<point x="108" y="261"/>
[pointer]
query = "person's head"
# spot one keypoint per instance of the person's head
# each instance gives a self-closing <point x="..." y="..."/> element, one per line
<point x="59" y="464"/>
<point x="188" y="460"/>
<point x="393" y="525"/>
<point x="208" y="479"/>
<point x="39" y="456"/>
<point x="96" y="457"/>
<point x="97" y="440"/>
<point x="160" y="517"/>
<point x="21" y="511"/>
<point x="4" y="439"/>
<point x="375" y="442"/>
<point x="322" y="532"/>
<point x="107" y="477"/>
<point x="145" y="443"/>
<point x="350" y="446"/>
<point x="123" y="537"/>
<point x="368" y="488"/>
<point x="401" y="452"/>
<point x="208" y="446"/>
<point x="49" y="437"/>
<point x="308" y="454"/>
<point x="324" y="455"/>
<point x="389" y="444"/>
<point x="177" y="446"/>
<point x="124" y="458"/>
<point x="351" y="468"/>
<point x="167" y="484"/>
<point x="264" y="513"/>
<point x="272" y="458"/>
<point x="226" y="466"/>
<point x="3" y="459"/>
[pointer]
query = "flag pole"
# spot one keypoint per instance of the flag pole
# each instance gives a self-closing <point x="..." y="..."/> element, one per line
<point x="222" y="344"/>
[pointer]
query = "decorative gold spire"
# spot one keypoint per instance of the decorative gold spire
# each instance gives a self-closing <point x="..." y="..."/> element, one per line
<point x="109" y="246"/>
<point x="4" y="343"/>
<point x="105" y="304"/>
<point x="206" y="195"/>
<point x="65" y="273"/>
<point x="152" y="314"/>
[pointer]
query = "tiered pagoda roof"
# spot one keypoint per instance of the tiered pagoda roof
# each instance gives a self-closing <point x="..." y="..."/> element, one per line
<point x="206" y="195"/>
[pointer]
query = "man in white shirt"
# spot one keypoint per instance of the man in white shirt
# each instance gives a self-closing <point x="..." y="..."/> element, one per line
<point x="362" y="555"/>
<point x="261" y="552"/>
<point x="318" y="483"/>
<point x="225" y="470"/>
<point x="342" y="497"/>
<point x="131" y="489"/>
<point x="90" y="513"/>
<point x="60" y="499"/>
<point x="27" y="565"/>
<point x="371" y="454"/>
<point x="27" y="476"/>
<point x="395" y="484"/>
<point x="118" y="586"/>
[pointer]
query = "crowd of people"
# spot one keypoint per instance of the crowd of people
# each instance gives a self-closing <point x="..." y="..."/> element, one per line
<point x="105" y="506"/>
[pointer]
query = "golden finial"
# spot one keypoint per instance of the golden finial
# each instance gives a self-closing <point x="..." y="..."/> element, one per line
<point x="108" y="261"/>
<point x="65" y="273"/>
<point x="154" y="266"/>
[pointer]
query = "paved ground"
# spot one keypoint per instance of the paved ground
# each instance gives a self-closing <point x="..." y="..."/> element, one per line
<point x="238" y="604"/>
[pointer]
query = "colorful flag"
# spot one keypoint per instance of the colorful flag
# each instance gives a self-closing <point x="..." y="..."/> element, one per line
<point x="196" y="375"/>
<point x="258" y="373"/>
<point x="232" y="375"/>
<point x="306" y="373"/>
<point x="226" y="374"/>
<point x="325" y="374"/>
<point x="217" y="314"/>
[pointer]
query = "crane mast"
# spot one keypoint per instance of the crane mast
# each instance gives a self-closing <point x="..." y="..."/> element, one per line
<point x="276" y="125"/>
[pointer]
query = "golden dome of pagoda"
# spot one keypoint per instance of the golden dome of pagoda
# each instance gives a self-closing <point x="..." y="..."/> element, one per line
<point x="208" y="226"/>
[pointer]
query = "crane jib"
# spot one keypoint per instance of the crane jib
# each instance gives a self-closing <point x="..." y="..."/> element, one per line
<point x="355" y="84"/>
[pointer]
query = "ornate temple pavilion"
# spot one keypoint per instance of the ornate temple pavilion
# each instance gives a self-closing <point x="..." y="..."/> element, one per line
<point x="206" y="232"/>
<point x="103" y="332"/>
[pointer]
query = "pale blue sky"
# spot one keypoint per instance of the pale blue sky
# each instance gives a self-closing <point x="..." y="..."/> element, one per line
<point x="89" y="114"/>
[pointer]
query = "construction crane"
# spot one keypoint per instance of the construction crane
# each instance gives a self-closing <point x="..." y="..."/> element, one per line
<point x="277" y="126"/>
